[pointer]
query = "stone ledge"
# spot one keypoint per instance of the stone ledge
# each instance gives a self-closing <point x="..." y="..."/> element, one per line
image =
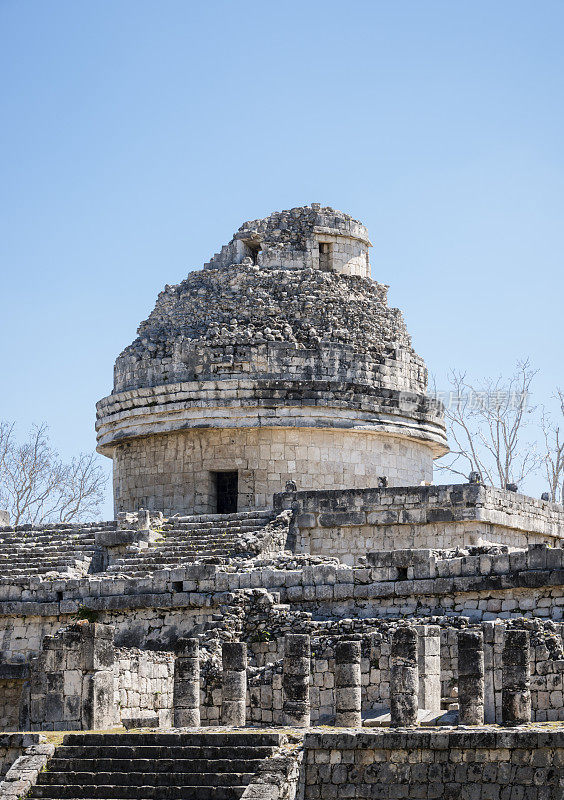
<point x="420" y="505"/>
<point x="406" y="739"/>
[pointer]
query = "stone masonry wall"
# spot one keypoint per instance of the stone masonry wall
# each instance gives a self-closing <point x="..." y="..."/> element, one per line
<point x="353" y="522"/>
<point x="172" y="472"/>
<point x="289" y="239"/>
<point x="198" y="600"/>
<point x="450" y="765"/>
<point x="154" y="611"/>
<point x="143" y="684"/>
<point x="10" y="703"/>
<point x="12" y="746"/>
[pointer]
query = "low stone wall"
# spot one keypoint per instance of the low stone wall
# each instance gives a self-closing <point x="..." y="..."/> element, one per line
<point x="444" y="764"/>
<point x="143" y="684"/>
<point x="24" y="771"/>
<point x="278" y="777"/>
<point x="12" y="746"/>
<point x="352" y="522"/>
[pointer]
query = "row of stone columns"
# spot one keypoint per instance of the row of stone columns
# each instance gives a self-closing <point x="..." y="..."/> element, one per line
<point x="404" y="680"/>
<point x="186" y="692"/>
<point x="515" y="677"/>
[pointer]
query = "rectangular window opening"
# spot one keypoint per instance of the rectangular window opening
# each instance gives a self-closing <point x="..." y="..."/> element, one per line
<point x="325" y="256"/>
<point x="226" y="486"/>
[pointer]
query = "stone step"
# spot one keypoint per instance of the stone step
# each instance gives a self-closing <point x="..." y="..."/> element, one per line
<point x="41" y="536"/>
<point x="172" y="563"/>
<point x="154" y="766"/>
<point x="147" y="792"/>
<point x="156" y="555"/>
<point x="46" y="562"/>
<point x="7" y="570"/>
<point x="238" y="515"/>
<point x="162" y="751"/>
<point x="129" y="776"/>
<point x="187" y="546"/>
<point x="174" y="739"/>
<point x="212" y="526"/>
<point x="239" y="766"/>
<point x="191" y="541"/>
<point x="63" y="559"/>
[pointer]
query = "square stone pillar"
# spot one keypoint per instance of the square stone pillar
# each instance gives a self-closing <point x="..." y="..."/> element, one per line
<point x="186" y="690"/>
<point x="348" y="690"/>
<point x="72" y="680"/>
<point x="470" y="677"/>
<point x="429" y="664"/>
<point x="516" y="678"/>
<point x="404" y="677"/>
<point x="296" y="667"/>
<point x="234" y="683"/>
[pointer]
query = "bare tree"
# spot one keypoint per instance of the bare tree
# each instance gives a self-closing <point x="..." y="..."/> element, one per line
<point x="553" y="459"/>
<point x="487" y="422"/>
<point x="37" y="487"/>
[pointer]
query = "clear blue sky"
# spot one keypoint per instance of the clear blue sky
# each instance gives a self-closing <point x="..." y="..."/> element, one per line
<point x="137" y="136"/>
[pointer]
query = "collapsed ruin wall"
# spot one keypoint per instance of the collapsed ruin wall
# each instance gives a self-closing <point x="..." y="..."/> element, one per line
<point x="264" y="699"/>
<point x="287" y="238"/>
<point x="248" y="308"/>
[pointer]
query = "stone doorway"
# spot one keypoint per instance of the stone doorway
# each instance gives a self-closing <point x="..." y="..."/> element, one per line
<point x="226" y="486"/>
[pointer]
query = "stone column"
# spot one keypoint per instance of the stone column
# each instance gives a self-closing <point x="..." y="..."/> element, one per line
<point x="429" y="657"/>
<point x="516" y="678"/>
<point x="348" y="698"/>
<point x="295" y="680"/>
<point x="234" y="683"/>
<point x="186" y="691"/>
<point x="404" y="677"/>
<point x="470" y="677"/>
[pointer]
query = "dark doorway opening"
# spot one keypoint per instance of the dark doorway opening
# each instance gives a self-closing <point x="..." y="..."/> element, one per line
<point x="226" y="489"/>
<point x="253" y="250"/>
<point x="325" y="256"/>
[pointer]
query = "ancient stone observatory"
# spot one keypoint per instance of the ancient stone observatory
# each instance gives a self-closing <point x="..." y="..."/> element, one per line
<point x="279" y="361"/>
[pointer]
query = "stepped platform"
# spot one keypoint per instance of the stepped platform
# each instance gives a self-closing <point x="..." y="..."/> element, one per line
<point x="192" y="538"/>
<point x="53" y="550"/>
<point x="146" y="766"/>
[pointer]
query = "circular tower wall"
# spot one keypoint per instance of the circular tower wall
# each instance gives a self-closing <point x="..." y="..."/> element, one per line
<point x="281" y="360"/>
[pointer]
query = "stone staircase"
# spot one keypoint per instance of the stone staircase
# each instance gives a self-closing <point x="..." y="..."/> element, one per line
<point x="147" y="766"/>
<point x="188" y="539"/>
<point x="65" y="551"/>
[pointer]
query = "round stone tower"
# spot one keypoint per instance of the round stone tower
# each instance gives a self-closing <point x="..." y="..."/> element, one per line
<point x="279" y="361"/>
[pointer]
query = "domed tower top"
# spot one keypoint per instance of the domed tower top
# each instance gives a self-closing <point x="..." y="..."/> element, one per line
<point x="308" y="237"/>
<point x="280" y="360"/>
